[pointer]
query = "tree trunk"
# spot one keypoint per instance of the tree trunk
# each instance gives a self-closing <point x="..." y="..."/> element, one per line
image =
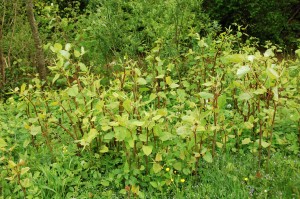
<point x="2" y="63"/>
<point x="41" y="68"/>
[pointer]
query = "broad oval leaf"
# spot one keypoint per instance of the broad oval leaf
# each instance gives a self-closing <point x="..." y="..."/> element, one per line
<point x="242" y="71"/>
<point x="206" y="95"/>
<point x="65" y="54"/>
<point x="246" y="141"/>
<point x="147" y="150"/>
<point x="272" y="73"/>
<point x="157" y="167"/>
<point x="245" y="96"/>
<point x="34" y="130"/>
<point x="2" y="143"/>
<point x="73" y="91"/>
<point x="208" y="157"/>
<point x="141" y="81"/>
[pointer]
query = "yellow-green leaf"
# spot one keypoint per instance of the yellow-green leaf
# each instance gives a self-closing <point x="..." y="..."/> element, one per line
<point x="168" y="80"/>
<point x="272" y="73"/>
<point x="34" y="130"/>
<point x="25" y="182"/>
<point x="141" y="81"/>
<point x="206" y="95"/>
<point x="246" y="141"/>
<point x="208" y="157"/>
<point x="2" y="143"/>
<point x="57" y="47"/>
<point x="147" y="150"/>
<point x="157" y="167"/>
<point x="104" y="149"/>
<point x="158" y="157"/>
<point x="177" y="166"/>
<point x="264" y="144"/>
<point x="24" y="170"/>
<point x="76" y="53"/>
<point x="242" y="71"/>
<point x="73" y="91"/>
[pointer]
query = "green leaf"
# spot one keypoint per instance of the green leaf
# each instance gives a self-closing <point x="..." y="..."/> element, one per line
<point x="182" y="131"/>
<point x="246" y="141"/>
<point x="248" y="125"/>
<point x="297" y="52"/>
<point x="164" y="136"/>
<point x="242" y="71"/>
<point x="208" y="157"/>
<point x="105" y="183"/>
<point x="147" y="150"/>
<point x="158" y="157"/>
<point x="245" y="96"/>
<point x="2" y="143"/>
<point x="91" y="135"/>
<point x="77" y="53"/>
<point x="154" y="184"/>
<point x="260" y="91"/>
<point x="137" y="123"/>
<point x="104" y="149"/>
<point x="157" y="168"/>
<point x="177" y="166"/>
<point x="65" y="54"/>
<point x="219" y="145"/>
<point x="222" y="101"/>
<point x="83" y="67"/>
<point x="272" y="73"/>
<point x="141" y="81"/>
<point x="208" y="84"/>
<point x="120" y="133"/>
<point x="25" y="143"/>
<point x="143" y="137"/>
<point x="25" y="182"/>
<point x="173" y="85"/>
<point x="73" y="91"/>
<point x="55" y="78"/>
<point x="22" y="88"/>
<point x="264" y="144"/>
<point x="127" y="105"/>
<point x="24" y="170"/>
<point x="68" y="47"/>
<point x="169" y="80"/>
<point x="57" y="47"/>
<point x="206" y="95"/>
<point x="275" y="92"/>
<point x="109" y="136"/>
<point x="160" y="77"/>
<point x="157" y="117"/>
<point x="269" y="53"/>
<point x="235" y="58"/>
<point x="34" y="130"/>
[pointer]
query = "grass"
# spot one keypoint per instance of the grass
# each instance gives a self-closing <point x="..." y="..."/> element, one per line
<point x="229" y="176"/>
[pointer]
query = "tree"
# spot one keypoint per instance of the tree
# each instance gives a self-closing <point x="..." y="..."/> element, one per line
<point x="2" y="63"/>
<point x="37" y="41"/>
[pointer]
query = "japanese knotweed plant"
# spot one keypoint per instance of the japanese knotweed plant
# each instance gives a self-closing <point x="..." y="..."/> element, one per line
<point x="238" y="83"/>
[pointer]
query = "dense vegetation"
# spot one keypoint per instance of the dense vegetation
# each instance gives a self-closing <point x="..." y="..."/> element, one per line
<point x="277" y="21"/>
<point x="135" y="99"/>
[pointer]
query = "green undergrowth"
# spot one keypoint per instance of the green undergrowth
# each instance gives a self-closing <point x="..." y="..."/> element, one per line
<point x="220" y="120"/>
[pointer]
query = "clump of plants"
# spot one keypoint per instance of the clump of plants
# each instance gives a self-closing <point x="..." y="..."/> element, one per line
<point x="162" y="124"/>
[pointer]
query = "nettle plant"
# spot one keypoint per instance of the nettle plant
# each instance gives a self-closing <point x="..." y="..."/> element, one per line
<point x="161" y="124"/>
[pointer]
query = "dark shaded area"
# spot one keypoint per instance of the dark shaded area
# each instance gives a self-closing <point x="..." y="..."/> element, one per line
<point x="274" y="20"/>
<point x="70" y="8"/>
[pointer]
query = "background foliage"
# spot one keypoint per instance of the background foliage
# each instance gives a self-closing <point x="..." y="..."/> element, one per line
<point x="147" y="99"/>
<point x="277" y="21"/>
